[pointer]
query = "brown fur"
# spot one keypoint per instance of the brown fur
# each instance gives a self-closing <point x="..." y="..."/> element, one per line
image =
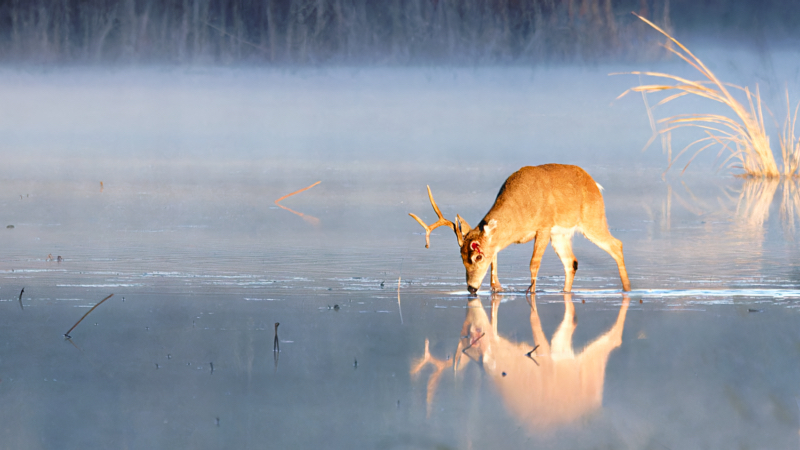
<point x="546" y="203"/>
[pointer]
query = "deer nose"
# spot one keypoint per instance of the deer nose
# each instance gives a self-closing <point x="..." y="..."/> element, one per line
<point x="472" y="290"/>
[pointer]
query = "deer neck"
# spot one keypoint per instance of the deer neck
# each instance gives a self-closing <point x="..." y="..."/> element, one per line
<point x="501" y="235"/>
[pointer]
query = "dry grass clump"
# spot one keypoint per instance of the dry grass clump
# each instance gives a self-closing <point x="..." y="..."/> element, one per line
<point x="742" y="133"/>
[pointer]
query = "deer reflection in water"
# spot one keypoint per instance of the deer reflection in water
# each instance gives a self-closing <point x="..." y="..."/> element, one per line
<point x="543" y="386"/>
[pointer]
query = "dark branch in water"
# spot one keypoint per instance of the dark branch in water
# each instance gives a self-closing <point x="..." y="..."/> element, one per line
<point x="530" y="354"/>
<point x="20" y="299"/>
<point x="276" y="346"/>
<point x="473" y="342"/>
<point x="84" y="316"/>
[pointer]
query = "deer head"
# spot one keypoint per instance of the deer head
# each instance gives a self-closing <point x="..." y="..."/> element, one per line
<point x="477" y="251"/>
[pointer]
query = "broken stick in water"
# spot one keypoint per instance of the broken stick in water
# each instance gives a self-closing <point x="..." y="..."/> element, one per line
<point x="530" y="355"/>
<point x="20" y="298"/>
<point x="66" y="335"/>
<point x="276" y="346"/>
<point x="311" y="219"/>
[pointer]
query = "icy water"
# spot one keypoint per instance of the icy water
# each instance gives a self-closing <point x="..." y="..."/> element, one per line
<point x="159" y="188"/>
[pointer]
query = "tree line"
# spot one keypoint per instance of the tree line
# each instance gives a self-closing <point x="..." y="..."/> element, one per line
<point x="327" y="31"/>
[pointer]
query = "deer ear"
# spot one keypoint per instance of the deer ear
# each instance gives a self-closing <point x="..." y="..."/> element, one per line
<point x="463" y="225"/>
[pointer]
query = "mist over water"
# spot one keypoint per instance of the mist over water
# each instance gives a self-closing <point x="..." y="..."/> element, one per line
<point x="158" y="184"/>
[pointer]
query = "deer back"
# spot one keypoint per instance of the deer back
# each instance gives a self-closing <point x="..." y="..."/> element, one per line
<point x="541" y="197"/>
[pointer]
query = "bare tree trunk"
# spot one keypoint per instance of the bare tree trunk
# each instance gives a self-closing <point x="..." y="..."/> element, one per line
<point x="183" y="33"/>
<point x="238" y="25"/>
<point x="197" y="26"/>
<point x="271" y="29"/>
<point x="107" y="23"/>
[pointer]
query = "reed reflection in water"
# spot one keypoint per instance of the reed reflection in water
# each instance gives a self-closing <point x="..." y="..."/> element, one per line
<point x="749" y="205"/>
<point x="545" y="385"/>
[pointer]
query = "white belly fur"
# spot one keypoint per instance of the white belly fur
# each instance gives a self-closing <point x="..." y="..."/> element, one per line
<point x="568" y="232"/>
<point x="556" y="230"/>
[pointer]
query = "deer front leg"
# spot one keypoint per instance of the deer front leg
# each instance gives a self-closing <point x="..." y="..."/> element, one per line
<point x="496" y="298"/>
<point x="496" y="287"/>
<point x="539" y="245"/>
<point x="539" y="339"/>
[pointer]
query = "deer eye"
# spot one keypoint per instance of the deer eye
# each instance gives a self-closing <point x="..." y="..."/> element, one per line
<point x="478" y="258"/>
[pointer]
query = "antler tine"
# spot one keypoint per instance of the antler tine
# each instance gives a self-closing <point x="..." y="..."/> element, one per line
<point x="437" y="224"/>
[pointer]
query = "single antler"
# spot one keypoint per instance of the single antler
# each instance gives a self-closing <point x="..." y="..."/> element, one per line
<point x="437" y="224"/>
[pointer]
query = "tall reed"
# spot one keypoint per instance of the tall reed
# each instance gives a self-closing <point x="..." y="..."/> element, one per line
<point x="742" y="133"/>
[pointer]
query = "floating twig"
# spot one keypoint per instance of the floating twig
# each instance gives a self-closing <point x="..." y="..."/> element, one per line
<point x="530" y="354"/>
<point x="20" y="299"/>
<point x="472" y="343"/>
<point x="311" y="219"/>
<point x="276" y="345"/>
<point x="74" y="344"/>
<point x="84" y="316"/>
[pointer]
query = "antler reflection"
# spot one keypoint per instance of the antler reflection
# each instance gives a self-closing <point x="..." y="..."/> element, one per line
<point x="433" y="380"/>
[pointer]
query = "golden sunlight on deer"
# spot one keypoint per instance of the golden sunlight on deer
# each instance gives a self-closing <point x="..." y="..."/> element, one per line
<point x="546" y="203"/>
<point x="543" y="386"/>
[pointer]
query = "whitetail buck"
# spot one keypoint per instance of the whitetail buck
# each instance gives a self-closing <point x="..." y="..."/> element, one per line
<point x="543" y="386"/>
<point x="547" y="203"/>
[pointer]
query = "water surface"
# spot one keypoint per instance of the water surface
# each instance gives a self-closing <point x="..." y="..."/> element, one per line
<point x="202" y="264"/>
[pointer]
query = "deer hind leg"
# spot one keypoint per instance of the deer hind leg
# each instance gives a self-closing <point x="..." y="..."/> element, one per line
<point x="595" y="355"/>
<point x="496" y="287"/>
<point x="602" y="238"/>
<point x="562" y="244"/>
<point x="539" y="245"/>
